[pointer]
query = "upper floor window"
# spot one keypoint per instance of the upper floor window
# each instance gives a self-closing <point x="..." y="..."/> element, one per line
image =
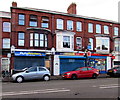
<point x="79" y="26"/>
<point x="21" y="19"/>
<point x="116" y="31"/>
<point x="38" y="40"/>
<point x="66" y="41"/>
<point x="6" y="43"/>
<point x="98" y="28"/>
<point x="21" y="38"/>
<point x="79" y="43"/>
<point x="106" y="29"/>
<point x="33" y="20"/>
<point x="6" y="27"/>
<point x="90" y="27"/>
<point x="90" y="44"/>
<point x="69" y="25"/>
<point x="45" y="22"/>
<point x="59" y="24"/>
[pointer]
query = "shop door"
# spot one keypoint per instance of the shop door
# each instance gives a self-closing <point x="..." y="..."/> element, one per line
<point x="23" y="62"/>
<point x="70" y="64"/>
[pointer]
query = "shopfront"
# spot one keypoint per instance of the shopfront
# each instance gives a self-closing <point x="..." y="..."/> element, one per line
<point x="23" y="59"/>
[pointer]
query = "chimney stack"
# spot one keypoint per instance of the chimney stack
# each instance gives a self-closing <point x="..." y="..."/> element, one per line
<point x="72" y="9"/>
<point x="14" y="4"/>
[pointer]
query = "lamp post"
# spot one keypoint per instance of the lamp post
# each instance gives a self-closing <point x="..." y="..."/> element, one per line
<point x="52" y="60"/>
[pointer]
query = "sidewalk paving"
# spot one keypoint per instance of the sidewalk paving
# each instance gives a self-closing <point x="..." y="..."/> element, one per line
<point x="8" y="79"/>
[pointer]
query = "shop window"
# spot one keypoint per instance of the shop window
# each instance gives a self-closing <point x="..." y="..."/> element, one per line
<point x="6" y="43"/>
<point x="66" y="41"/>
<point x="98" y="28"/>
<point x="79" y="43"/>
<point x="21" y="19"/>
<point x="69" y="25"/>
<point x="6" y="27"/>
<point x="33" y="20"/>
<point x="106" y="29"/>
<point x="90" y="27"/>
<point x="21" y="38"/>
<point x="90" y="44"/>
<point x="79" y="26"/>
<point x="116" y="31"/>
<point x="59" y="24"/>
<point x="45" y="22"/>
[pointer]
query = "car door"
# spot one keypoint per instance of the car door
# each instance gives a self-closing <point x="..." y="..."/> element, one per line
<point x="41" y="72"/>
<point x="31" y="73"/>
<point x="83" y="72"/>
<point x="90" y="72"/>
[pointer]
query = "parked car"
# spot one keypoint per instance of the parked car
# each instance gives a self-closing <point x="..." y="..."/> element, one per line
<point x="31" y="73"/>
<point x="114" y="71"/>
<point x="82" y="72"/>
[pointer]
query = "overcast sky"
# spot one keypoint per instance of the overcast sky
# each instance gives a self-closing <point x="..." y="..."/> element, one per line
<point x="105" y="9"/>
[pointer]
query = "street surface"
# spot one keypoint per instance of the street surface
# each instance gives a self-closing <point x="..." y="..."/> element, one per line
<point x="81" y="88"/>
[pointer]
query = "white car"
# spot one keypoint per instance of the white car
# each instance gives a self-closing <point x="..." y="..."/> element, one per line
<point x="31" y="73"/>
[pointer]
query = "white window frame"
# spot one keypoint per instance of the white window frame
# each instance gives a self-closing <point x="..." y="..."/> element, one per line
<point x="79" y="43"/>
<point x="69" y="25"/>
<point x="98" y="28"/>
<point x="6" y="27"/>
<point x="21" y="41"/>
<point x="60" y="24"/>
<point x="6" y="43"/>
<point x="78" y="26"/>
<point x="90" y="27"/>
<point x="91" y="43"/>
<point x="106" y="29"/>
<point x="116" y="30"/>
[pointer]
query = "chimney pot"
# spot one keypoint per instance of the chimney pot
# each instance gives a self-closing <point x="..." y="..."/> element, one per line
<point x="14" y="4"/>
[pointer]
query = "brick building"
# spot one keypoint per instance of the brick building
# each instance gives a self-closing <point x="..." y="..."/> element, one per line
<point x="60" y="41"/>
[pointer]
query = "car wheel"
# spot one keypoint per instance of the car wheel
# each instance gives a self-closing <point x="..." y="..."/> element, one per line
<point x="46" y="78"/>
<point x="19" y="79"/>
<point x="94" y="76"/>
<point x="74" y="77"/>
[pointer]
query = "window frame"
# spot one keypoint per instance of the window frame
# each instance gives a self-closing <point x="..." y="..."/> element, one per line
<point x="98" y="28"/>
<point x="106" y="31"/>
<point x="116" y="31"/>
<point x="6" y="28"/>
<point x="6" y="42"/>
<point x="90" y="27"/>
<point x="70" y="25"/>
<point x="33" y="19"/>
<point x="21" y="19"/>
<point x="45" y="22"/>
<point x="60" y="23"/>
<point x="79" y="43"/>
<point x="79" y="26"/>
<point x="21" y="39"/>
<point x="67" y="40"/>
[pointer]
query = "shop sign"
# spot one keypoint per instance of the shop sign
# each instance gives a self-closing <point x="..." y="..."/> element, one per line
<point x="28" y="53"/>
<point x="69" y="54"/>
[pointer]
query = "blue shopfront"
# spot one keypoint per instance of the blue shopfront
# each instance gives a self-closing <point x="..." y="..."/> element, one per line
<point x="23" y="59"/>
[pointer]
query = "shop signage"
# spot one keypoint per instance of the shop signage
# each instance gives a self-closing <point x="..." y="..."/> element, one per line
<point x="28" y="53"/>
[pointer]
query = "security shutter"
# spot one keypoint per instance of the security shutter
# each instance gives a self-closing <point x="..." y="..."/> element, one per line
<point x="22" y="62"/>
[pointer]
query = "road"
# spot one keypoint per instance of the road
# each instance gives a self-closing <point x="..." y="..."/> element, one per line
<point x="81" y="88"/>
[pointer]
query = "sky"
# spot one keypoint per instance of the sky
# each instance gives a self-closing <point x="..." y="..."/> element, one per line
<point x="104" y="9"/>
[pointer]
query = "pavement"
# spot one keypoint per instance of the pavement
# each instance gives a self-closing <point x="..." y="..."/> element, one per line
<point x="56" y="77"/>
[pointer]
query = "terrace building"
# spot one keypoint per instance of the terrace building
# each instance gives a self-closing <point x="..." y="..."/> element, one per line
<point x="59" y="41"/>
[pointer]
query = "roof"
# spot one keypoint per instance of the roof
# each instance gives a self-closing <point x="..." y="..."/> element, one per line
<point x="65" y="14"/>
<point x="4" y="14"/>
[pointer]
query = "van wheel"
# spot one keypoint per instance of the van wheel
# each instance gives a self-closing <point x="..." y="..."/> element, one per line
<point x="19" y="79"/>
<point x="46" y="78"/>
<point x="94" y="76"/>
<point x="74" y="77"/>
